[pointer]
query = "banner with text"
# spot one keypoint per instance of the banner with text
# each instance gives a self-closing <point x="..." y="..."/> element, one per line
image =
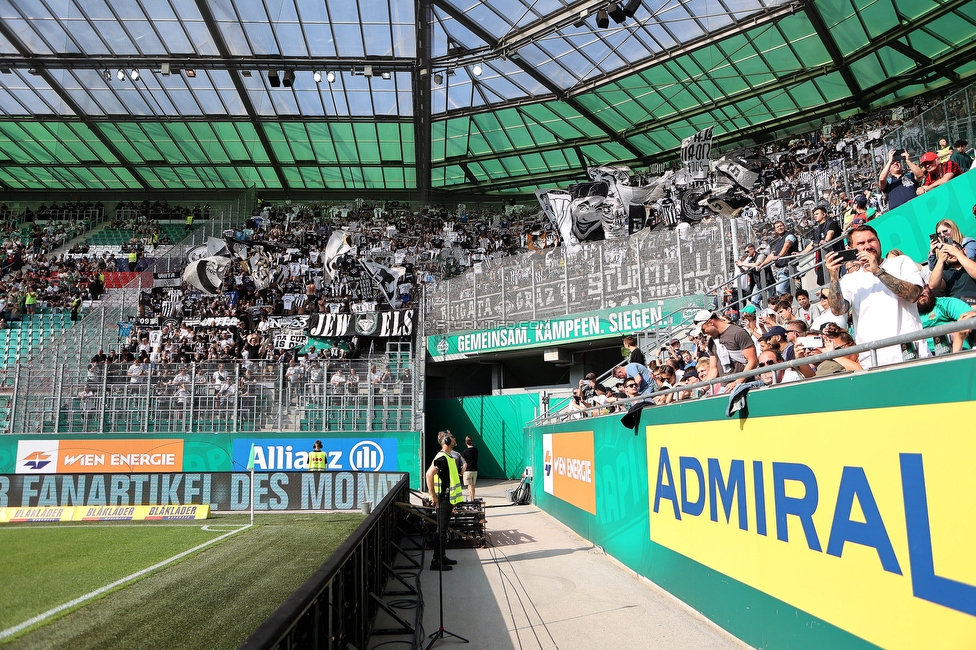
<point x="178" y="495"/>
<point x="579" y="327"/>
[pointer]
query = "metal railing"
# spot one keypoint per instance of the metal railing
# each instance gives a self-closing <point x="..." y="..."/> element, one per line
<point x="872" y="347"/>
<point x="953" y="118"/>
<point x="336" y="607"/>
<point x="644" y="267"/>
<point x="175" y="398"/>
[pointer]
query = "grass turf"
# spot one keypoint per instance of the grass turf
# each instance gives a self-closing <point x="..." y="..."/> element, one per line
<point x="212" y="599"/>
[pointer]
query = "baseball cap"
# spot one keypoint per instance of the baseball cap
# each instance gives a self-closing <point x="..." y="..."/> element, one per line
<point x="702" y="315"/>
<point x="695" y="332"/>
<point x="749" y="309"/>
<point x="860" y="199"/>
<point x="928" y="157"/>
<point x="773" y="331"/>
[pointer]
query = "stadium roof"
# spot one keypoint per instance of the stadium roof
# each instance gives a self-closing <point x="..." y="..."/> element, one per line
<point x="406" y="110"/>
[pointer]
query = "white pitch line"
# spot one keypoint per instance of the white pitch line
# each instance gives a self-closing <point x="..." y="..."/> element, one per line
<point x="101" y="590"/>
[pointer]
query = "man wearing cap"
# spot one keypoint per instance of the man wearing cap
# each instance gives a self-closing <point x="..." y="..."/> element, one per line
<point x="881" y="295"/>
<point x="936" y="173"/>
<point x="960" y="157"/>
<point x="730" y="347"/>
<point x="898" y="184"/>
<point x="775" y="339"/>
<point x="858" y="214"/>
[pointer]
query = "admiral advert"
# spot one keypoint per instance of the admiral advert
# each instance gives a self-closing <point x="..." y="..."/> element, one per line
<point x="568" y="468"/>
<point x="859" y="525"/>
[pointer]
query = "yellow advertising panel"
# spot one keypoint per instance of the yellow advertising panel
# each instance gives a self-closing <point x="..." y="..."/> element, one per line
<point x="865" y="519"/>
<point x="569" y="468"/>
<point x="103" y="513"/>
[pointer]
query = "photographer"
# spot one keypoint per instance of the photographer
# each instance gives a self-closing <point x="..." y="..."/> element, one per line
<point x="897" y="184"/>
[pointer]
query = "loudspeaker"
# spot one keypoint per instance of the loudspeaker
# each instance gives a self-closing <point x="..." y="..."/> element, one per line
<point x="289" y="79"/>
<point x="602" y="20"/>
<point x="616" y="13"/>
<point x="631" y="8"/>
<point x="274" y="79"/>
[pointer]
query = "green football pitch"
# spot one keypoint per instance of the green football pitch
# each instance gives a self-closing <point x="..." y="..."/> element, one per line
<point x="200" y="584"/>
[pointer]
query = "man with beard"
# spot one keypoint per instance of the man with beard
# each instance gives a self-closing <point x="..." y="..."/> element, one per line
<point x="942" y="311"/>
<point x="881" y="295"/>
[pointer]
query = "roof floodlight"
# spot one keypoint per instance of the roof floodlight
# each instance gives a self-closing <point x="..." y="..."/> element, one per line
<point x="602" y="19"/>
<point x="581" y="20"/>
<point x="317" y="76"/>
<point x="190" y="72"/>
<point x="438" y="78"/>
<point x="134" y="75"/>
<point x="631" y="8"/>
<point x="450" y="72"/>
<point x="616" y="12"/>
<point x="120" y="74"/>
<point x="387" y="75"/>
<point x="107" y="76"/>
<point x="367" y="71"/>
<point x="164" y="69"/>
<point x="288" y="80"/>
<point x="330" y="76"/>
<point x="476" y="70"/>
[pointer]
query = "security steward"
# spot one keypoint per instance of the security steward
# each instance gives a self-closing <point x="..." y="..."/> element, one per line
<point x="133" y="259"/>
<point x="316" y="458"/>
<point x="444" y="486"/>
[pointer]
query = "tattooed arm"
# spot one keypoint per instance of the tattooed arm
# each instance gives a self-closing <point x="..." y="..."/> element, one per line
<point x="838" y="305"/>
<point x="901" y="288"/>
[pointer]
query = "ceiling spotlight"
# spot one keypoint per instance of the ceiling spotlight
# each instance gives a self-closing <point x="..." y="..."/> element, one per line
<point x="330" y="76"/>
<point x="367" y="71"/>
<point x="386" y="75"/>
<point x="582" y="18"/>
<point x="602" y="19"/>
<point x="438" y="78"/>
<point x="631" y="7"/>
<point x="274" y="79"/>
<point x="289" y="79"/>
<point x="120" y="74"/>
<point x="134" y="75"/>
<point x="317" y="77"/>
<point x="107" y="76"/>
<point x="476" y="70"/>
<point x="616" y="12"/>
<point x="450" y="72"/>
<point x="190" y="72"/>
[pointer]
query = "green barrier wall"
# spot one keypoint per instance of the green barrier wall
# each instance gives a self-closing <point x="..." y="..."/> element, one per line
<point x="355" y="451"/>
<point x="840" y="513"/>
<point x="908" y="227"/>
<point x="495" y="422"/>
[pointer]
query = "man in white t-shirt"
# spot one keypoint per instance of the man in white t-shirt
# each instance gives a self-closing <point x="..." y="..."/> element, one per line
<point x="881" y="295"/>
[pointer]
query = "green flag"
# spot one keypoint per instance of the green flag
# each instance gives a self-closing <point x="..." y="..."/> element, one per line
<point x="250" y="459"/>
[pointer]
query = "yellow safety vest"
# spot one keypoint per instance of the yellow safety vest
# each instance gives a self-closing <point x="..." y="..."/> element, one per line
<point x="133" y="257"/>
<point x="316" y="461"/>
<point x="455" y="492"/>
